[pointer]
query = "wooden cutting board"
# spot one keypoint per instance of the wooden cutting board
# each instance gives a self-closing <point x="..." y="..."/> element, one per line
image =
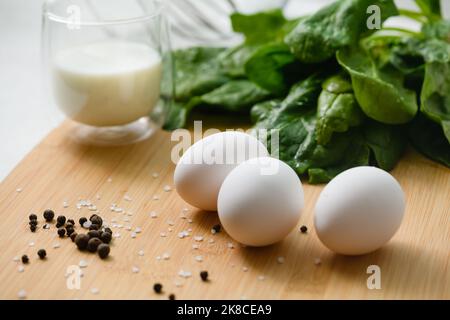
<point x="414" y="264"/>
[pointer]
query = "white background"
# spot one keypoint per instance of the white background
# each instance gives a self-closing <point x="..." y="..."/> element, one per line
<point x="26" y="116"/>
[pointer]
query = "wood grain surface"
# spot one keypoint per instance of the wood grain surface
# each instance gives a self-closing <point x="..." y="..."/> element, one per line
<point x="414" y="264"/>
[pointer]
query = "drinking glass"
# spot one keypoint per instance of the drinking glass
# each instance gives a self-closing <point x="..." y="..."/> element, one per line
<point x="109" y="67"/>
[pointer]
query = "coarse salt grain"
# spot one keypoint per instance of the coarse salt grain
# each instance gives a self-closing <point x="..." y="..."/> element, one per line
<point x="127" y="198"/>
<point x="211" y="241"/>
<point x="158" y="258"/>
<point x="16" y="259"/>
<point x="185" y="274"/>
<point x="198" y="238"/>
<point x="21" y="268"/>
<point x="153" y="215"/>
<point x="170" y="223"/>
<point x="155" y="175"/>
<point x="83" y="264"/>
<point x="185" y="210"/>
<point x="195" y="246"/>
<point x="163" y="235"/>
<point x="280" y="260"/>
<point x="135" y="270"/>
<point x="46" y="226"/>
<point x="230" y="245"/>
<point x="56" y="246"/>
<point x="213" y="231"/>
<point x="133" y="235"/>
<point x="155" y="197"/>
<point x="22" y="294"/>
<point x="199" y="258"/>
<point x="190" y="220"/>
<point x="31" y="244"/>
<point x="166" y="256"/>
<point x="65" y="204"/>
<point x="87" y="224"/>
<point x="98" y="197"/>
<point x="116" y="235"/>
<point x="128" y="228"/>
<point x="95" y="290"/>
<point x="317" y="261"/>
<point x="138" y="230"/>
<point x="167" y="188"/>
<point x="141" y="253"/>
<point x="178" y="284"/>
<point x="19" y="190"/>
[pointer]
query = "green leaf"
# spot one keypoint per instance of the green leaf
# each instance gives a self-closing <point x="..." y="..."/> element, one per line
<point x="435" y="95"/>
<point x="236" y="95"/>
<point x="177" y="113"/>
<point x="428" y="138"/>
<point x="380" y="94"/>
<point x="386" y="142"/>
<point x="337" y="109"/>
<point x="197" y="71"/>
<point x="234" y="59"/>
<point x="438" y="30"/>
<point x="318" y="37"/>
<point x="266" y="67"/>
<point x="259" y="27"/>
<point x="429" y="7"/>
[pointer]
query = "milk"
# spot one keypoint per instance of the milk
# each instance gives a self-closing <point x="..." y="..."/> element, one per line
<point x="107" y="83"/>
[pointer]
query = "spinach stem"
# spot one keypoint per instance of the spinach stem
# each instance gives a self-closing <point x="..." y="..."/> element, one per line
<point x="415" y="15"/>
<point x="410" y="32"/>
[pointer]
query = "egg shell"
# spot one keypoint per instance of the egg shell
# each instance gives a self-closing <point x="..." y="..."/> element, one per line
<point x="359" y="211"/>
<point x="203" y="167"/>
<point x="260" y="201"/>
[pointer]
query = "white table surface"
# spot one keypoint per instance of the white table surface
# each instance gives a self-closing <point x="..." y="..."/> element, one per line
<point x="26" y="116"/>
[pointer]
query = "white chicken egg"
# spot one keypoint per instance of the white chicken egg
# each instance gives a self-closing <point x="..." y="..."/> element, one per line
<point x="203" y="167"/>
<point x="359" y="211"/>
<point x="260" y="201"/>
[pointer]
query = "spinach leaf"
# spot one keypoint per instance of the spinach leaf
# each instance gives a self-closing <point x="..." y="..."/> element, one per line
<point x="233" y="60"/>
<point x="266" y="67"/>
<point x="435" y="95"/>
<point x="427" y="137"/>
<point x="177" y="112"/>
<point x="197" y="72"/>
<point x="337" y="109"/>
<point x="294" y="120"/>
<point x="386" y="142"/>
<point x="318" y="37"/>
<point x="259" y="27"/>
<point x="429" y="7"/>
<point x="437" y="29"/>
<point x="235" y="95"/>
<point x="380" y="93"/>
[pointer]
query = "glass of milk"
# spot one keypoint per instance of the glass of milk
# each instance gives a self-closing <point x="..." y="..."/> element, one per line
<point x="107" y="61"/>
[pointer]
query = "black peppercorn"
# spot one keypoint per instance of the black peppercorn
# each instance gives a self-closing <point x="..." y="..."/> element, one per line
<point x="61" y="232"/>
<point x="81" y="240"/>
<point x="94" y="226"/>
<point x="71" y="221"/>
<point x="61" y="220"/>
<point x="33" y="228"/>
<point x="93" y="244"/>
<point x="107" y="230"/>
<point x="82" y="220"/>
<point x="25" y="259"/>
<point x="49" y="215"/>
<point x="69" y="225"/>
<point x="69" y="231"/>
<point x="42" y="253"/>
<point x="95" y="219"/>
<point x="216" y="228"/>
<point x="204" y="275"/>
<point x="157" y="287"/>
<point x="303" y="229"/>
<point x="73" y="236"/>
<point x="32" y="217"/>
<point x="106" y="237"/>
<point x="93" y="234"/>
<point x="171" y="296"/>
<point x="33" y="223"/>
<point x="103" y="250"/>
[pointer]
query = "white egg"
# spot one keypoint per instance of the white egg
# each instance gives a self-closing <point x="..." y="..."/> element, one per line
<point x="203" y="167"/>
<point x="260" y="201"/>
<point x="359" y="211"/>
